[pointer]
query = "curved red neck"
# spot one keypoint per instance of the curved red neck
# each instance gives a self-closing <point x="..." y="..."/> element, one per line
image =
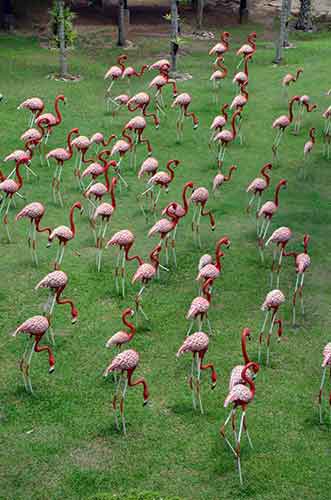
<point x="233" y="124"/>
<point x="224" y="113"/>
<point x="110" y="138"/>
<point x="224" y="40"/>
<point x="28" y="148"/>
<point x="206" y="289"/>
<point x="184" y="197"/>
<point x="44" y="229"/>
<point x="154" y="256"/>
<point x="120" y="63"/>
<point x="305" y="242"/>
<point x="290" y="109"/>
<point x="57" y="110"/>
<point x="137" y="382"/>
<point x="170" y="170"/>
<point x="127" y="137"/>
<point x="244" y="335"/>
<point x="112" y="192"/>
<point x="220" y="64"/>
<point x="71" y="218"/>
<point x="131" y="327"/>
<point x="105" y="173"/>
<point x="70" y="150"/>
<point x="297" y="74"/>
<point x="74" y="312"/>
<point x="246" y="66"/>
<point x="251" y="41"/>
<point x="101" y="158"/>
<point x="312" y="136"/>
<point x="19" y="177"/>
<point x="41" y="128"/>
<point x="228" y="177"/>
<point x="248" y="380"/>
<point x="265" y="175"/>
<point x="276" y="200"/>
<point x="142" y="70"/>
<point x="244" y="91"/>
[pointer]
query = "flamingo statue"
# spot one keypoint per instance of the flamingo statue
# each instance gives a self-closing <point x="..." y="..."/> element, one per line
<point x="225" y="137"/>
<point x="64" y="234"/>
<point x="35" y="105"/>
<point x="197" y="344"/>
<point x="125" y="362"/>
<point x="35" y="212"/>
<point x="235" y="377"/>
<point x="104" y="212"/>
<point x="122" y="337"/>
<point x="50" y="119"/>
<point x="35" y="327"/>
<point x="242" y="77"/>
<point x="281" y="123"/>
<point x="199" y="198"/>
<point x="113" y="74"/>
<point x="159" y="82"/>
<point x="56" y="283"/>
<point x="280" y="237"/>
<point x="308" y="147"/>
<point x="240" y="396"/>
<point x="165" y="227"/>
<point x="95" y="169"/>
<point x="182" y="101"/>
<point x="222" y="46"/>
<point x="218" y="123"/>
<point x="209" y="269"/>
<point x="218" y="75"/>
<point x="258" y="186"/>
<point x="161" y="179"/>
<point x="199" y="308"/>
<point x="289" y="79"/>
<point x="220" y="179"/>
<point x="137" y="125"/>
<point x="325" y="364"/>
<point x="9" y="187"/>
<point x="248" y="48"/>
<point x="303" y="105"/>
<point x="142" y="101"/>
<point x="271" y="304"/>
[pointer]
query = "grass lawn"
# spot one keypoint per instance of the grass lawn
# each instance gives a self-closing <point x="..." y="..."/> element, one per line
<point x="61" y="443"/>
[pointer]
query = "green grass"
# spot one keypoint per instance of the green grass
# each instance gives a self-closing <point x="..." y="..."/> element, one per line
<point x="61" y="443"/>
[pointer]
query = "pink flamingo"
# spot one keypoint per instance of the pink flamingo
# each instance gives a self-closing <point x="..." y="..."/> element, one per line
<point x="104" y="212"/>
<point x="240" y="395"/>
<point x="56" y="282"/>
<point x="125" y="362"/>
<point x="280" y="237"/>
<point x="129" y="72"/>
<point x="35" y="212"/>
<point x="271" y="304"/>
<point x="137" y="125"/>
<point x="145" y="273"/>
<point x="124" y="240"/>
<point x="258" y="186"/>
<point x="179" y="211"/>
<point x="267" y="211"/>
<point x="21" y="157"/>
<point x="81" y="143"/>
<point x="142" y="101"/>
<point x="64" y="234"/>
<point x="159" y="82"/>
<point x="96" y="169"/>
<point x="165" y="227"/>
<point x="308" y="147"/>
<point x="160" y="64"/>
<point x="161" y="179"/>
<point x="122" y="337"/>
<point x="114" y="73"/>
<point x="238" y="104"/>
<point x="225" y="137"/>
<point x="218" y="75"/>
<point x="302" y="263"/>
<point x="98" y="190"/>
<point x="325" y="364"/>
<point x="182" y="101"/>
<point x="99" y="139"/>
<point x="248" y="48"/>
<point x="288" y="80"/>
<point x="35" y="105"/>
<point x="218" y="123"/>
<point x="35" y="327"/>
<point x="118" y="101"/>
<point x="60" y="155"/>
<point x="148" y="167"/>
<point x="242" y="77"/>
<point x="327" y="132"/>
<point x="34" y="137"/>
<point x="50" y="119"/>
<point x="199" y="198"/>
<point x="199" y="308"/>
<point x="303" y="104"/>
<point x="10" y="187"/>
<point x="221" y="47"/>
<point x="281" y="123"/>
<point x="209" y="269"/>
<point x="219" y="179"/>
<point x="197" y="344"/>
<point x="235" y="377"/>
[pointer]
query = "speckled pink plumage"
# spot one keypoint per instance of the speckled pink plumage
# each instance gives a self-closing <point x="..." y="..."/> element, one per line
<point x="327" y="355"/>
<point x="34" y="104"/>
<point x="196" y="342"/>
<point x="139" y="99"/>
<point x="54" y="280"/>
<point x="163" y="227"/>
<point x="238" y="393"/>
<point x="94" y="169"/>
<point x="159" y="64"/>
<point x="280" y="236"/>
<point x="19" y="155"/>
<point x="104" y="210"/>
<point x="36" y="325"/>
<point x="183" y="99"/>
<point x="199" y="195"/>
<point x="122" y="337"/>
<point x="34" y="210"/>
<point x="126" y="360"/>
<point x="31" y="135"/>
<point x="204" y="261"/>
<point x="81" y="143"/>
<point x="136" y="123"/>
<point x="302" y="262"/>
<point x="199" y="306"/>
<point x="122" y="238"/>
<point x="121" y="146"/>
<point x="114" y="72"/>
<point x="144" y="273"/>
<point x="149" y="167"/>
<point x="273" y="300"/>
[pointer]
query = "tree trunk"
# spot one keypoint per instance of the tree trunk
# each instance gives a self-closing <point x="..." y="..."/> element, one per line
<point x="243" y="11"/>
<point x="280" y="44"/>
<point x="121" y="25"/>
<point x="174" y="33"/>
<point x="62" y="41"/>
<point x="6" y="15"/>
<point x="200" y="7"/>
<point x="288" y="15"/>
<point x="304" y="22"/>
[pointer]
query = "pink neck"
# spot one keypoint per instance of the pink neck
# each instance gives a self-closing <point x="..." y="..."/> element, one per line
<point x="244" y="336"/>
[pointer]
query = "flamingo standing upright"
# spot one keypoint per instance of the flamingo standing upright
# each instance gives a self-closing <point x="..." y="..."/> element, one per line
<point x="240" y="395"/>
<point x="124" y="240"/>
<point x="145" y="273"/>
<point x="199" y="198"/>
<point x="219" y="179"/>
<point x="307" y="149"/>
<point x="122" y="337"/>
<point x="34" y="137"/>
<point x="218" y="123"/>
<point x="50" y="119"/>
<point x="182" y="101"/>
<point x="242" y="76"/>
<point x="113" y="74"/>
<point x="104" y="212"/>
<point x="199" y="308"/>
<point x="159" y="82"/>
<point x="148" y="167"/>
<point x="125" y="362"/>
<point x="281" y="123"/>
<point x="161" y="179"/>
<point x="21" y="157"/>
<point x="248" y="48"/>
<point x="165" y="227"/>
<point x="267" y="211"/>
<point x="238" y="104"/>
<point x="303" y="105"/>
<point x="197" y="344"/>
<point x="95" y="169"/>
<point x="218" y="75"/>
<point x="35" y="327"/>
<point x="280" y="237"/>
<point x="235" y="377"/>
<point x="121" y="148"/>
<point x="222" y="46"/>
<point x="209" y="269"/>
<point x="271" y="304"/>
<point x="61" y="155"/>
<point x="35" y="212"/>
<point x="99" y="140"/>
<point x="137" y="125"/>
<point x="325" y="364"/>
<point x="129" y="72"/>
<point x="9" y="187"/>
<point x="302" y="263"/>
<point x="289" y="79"/>
<point x="142" y="101"/>
<point x="99" y="190"/>
<point x="225" y="137"/>
<point x="35" y="105"/>
<point x="64" y="234"/>
<point x="81" y="144"/>
<point x="258" y="186"/>
<point x="56" y="282"/>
